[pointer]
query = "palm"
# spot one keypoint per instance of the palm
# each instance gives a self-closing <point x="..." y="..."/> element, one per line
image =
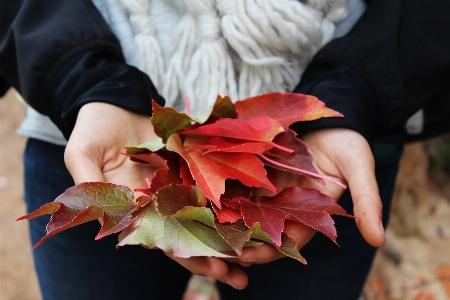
<point x="101" y="133"/>
<point x="343" y="155"/>
<point x="93" y="154"/>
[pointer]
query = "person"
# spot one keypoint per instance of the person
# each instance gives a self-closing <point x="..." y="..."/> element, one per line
<point x="68" y="64"/>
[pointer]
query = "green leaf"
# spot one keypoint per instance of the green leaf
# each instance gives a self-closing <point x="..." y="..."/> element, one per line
<point x="183" y="237"/>
<point x="223" y="108"/>
<point x="166" y="121"/>
<point x="153" y="145"/>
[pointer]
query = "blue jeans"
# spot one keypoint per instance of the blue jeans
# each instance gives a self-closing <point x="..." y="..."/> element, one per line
<point x="71" y="265"/>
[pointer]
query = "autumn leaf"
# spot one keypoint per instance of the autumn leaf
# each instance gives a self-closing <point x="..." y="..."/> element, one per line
<point x="166" y="121"/>
<point x="181" y="234"/>
<point x="298" y="162"/>
<point x="307" y="206"/>
<point x="144" y="156"/>
<point x="210" y="170"/>
<point x="112" y="204"/>
<point x="221" y="156"/>
<point x="288" y="245"/>
<point x="226" y="213"/>
<point x="162" y="178"/>
<point x="223" y="108"/>
<point x="173" y="198"/>
<point x="219" y="144"/>
<point x="234" y="189"/>
<point x="152" y="145"/>
<point x="286" y="108"/>
<point x="238" y="235"/>
<point x="185" y="173"/>
<point x="271" y="221"/>
<point x="237" y="129"/>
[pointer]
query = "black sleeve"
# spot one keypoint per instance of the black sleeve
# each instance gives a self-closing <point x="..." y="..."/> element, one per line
<point x="401" y="50"/>
<point x="97" y="77"/>
<point x="4" y="87"/>
<point x="345" y="91"/>
<point x="60" y="55"/>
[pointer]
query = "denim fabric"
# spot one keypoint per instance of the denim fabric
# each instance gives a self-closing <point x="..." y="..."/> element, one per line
<point x="71" y="265"/>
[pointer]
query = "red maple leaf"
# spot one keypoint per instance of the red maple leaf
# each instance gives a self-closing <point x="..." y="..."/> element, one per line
<point x="222" y="155"/>
<point x="286" y="108"/>
<point x="88" y="201"/>
<point x="210" y="170"/>
<point x="307" y="206"/>
<point x="264" y="130"/>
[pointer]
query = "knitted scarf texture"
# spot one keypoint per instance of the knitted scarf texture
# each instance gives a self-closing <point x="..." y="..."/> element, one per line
<point x="198" y="49"/>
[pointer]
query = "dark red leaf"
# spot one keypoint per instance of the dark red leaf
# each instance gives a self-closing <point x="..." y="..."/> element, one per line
<point x="300" y="159"/>
<point x="307" y="206"/>
<point x="110" y="203"/>
<point x="162" y="177"/>
<point x="235" y="189"/>
<point x="173" y="198"/>
<point x="236" y="234"/>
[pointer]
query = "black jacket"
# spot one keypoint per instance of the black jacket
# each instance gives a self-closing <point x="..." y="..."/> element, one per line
<point x="61" y="54"/>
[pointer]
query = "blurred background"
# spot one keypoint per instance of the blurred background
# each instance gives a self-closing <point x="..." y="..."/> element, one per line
<point x="413" y="264"/>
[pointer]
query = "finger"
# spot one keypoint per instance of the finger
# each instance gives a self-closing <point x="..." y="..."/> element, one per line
<point x="227" y="273"/>
<point x="261" y="254"/>
<point x="235" y="277"/>
<point x="367" y="205"/>
<point x="301" y="233"/>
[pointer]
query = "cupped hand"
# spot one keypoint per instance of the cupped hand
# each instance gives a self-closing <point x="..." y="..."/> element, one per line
<point x="344" y="155"/>
<point x="93" y="154"/>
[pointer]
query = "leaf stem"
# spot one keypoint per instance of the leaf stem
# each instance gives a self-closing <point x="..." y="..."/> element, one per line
<point x="275" y="145"/>
<point x="303" y="171"/>
<point x="188" y="105"/>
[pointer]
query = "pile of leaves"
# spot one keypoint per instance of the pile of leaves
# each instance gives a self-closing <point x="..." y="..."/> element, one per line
<point x="201" y="201"/>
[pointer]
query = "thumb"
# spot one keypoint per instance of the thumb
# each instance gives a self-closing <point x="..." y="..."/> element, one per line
<point x="367" y="205"/>
<point x="82" y="167"/>
<point x="83" y="156"/>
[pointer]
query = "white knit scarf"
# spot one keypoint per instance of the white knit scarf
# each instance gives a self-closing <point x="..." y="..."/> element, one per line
<point x="240" y="48"/>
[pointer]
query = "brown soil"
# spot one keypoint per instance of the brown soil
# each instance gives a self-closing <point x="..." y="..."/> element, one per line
<point x="17" y="276"/>
<point x="413" y="264"/>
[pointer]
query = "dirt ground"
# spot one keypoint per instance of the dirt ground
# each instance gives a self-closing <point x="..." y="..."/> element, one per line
<point x="413" y="264"/>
